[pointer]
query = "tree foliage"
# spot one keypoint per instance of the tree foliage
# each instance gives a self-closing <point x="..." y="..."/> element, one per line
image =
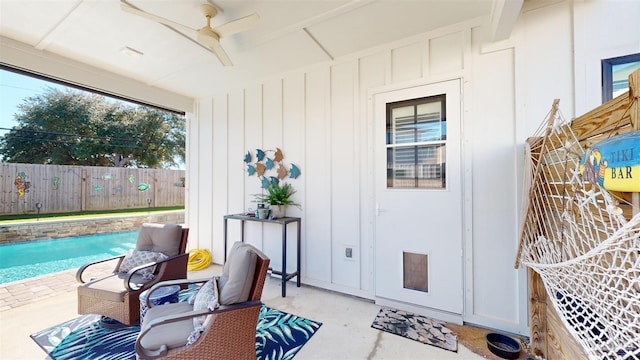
<point x="77" y="128"/>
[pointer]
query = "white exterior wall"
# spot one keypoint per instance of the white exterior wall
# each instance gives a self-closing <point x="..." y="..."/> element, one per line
<point x="321" y="119"/>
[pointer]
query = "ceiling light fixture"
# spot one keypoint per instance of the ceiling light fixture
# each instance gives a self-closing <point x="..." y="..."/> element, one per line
<point x="131" y="52"/>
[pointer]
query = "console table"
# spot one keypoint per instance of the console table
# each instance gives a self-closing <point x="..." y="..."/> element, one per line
<point x="283" y="221"/>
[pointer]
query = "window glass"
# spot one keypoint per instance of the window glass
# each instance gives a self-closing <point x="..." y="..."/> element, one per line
<point x="615" y="75"/>
<point x="416" y="148"/>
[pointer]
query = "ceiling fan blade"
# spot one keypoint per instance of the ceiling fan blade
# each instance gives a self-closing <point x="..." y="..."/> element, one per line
<point x="236" y="26"/>
<point x="220" y="53"/>
<point x="132" y="9"/>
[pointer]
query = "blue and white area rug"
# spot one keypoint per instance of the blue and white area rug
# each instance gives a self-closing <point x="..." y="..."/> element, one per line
<point x="416" y="327"/>
<point x="279" y="336"/>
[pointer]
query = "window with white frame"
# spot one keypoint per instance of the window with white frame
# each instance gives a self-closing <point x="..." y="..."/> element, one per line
<point x="416" y="143"/>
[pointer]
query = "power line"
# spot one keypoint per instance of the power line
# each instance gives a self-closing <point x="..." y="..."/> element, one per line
<point x="78" y="136"/>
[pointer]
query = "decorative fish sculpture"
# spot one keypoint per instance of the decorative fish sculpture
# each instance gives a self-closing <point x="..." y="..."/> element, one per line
<point x="259" y="154"/>
<point x="282" y="172"/>
<point x="274" y="179"/>
<point x="270" y="164"/>
<point x="265" y="182"/>
<point x="260" y="169"/>
<point x="294" y="172"/>
<point x="278" y="155"/>
<point x="143" y="187"/>
<point x="251" y="169"/>
<point x="247" y="157"/>
<point x="107" y="177"/>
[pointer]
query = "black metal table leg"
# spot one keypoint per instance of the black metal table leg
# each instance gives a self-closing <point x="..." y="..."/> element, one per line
<point x="284" y="260"/>
<point x="298" y="257"/>
<point x="225" y="239"/>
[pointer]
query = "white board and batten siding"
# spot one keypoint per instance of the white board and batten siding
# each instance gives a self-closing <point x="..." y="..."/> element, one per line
<point x="321" y="118"/>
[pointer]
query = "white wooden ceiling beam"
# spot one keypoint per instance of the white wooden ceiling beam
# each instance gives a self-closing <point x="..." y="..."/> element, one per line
<point x="48" y="38"/>
<point x="504" y="14"/>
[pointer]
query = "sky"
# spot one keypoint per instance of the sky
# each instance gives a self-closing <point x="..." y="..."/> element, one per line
<point x="14" y="88"/>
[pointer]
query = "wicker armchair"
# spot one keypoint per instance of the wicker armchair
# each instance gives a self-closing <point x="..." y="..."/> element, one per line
<point x="229" y="331"/>
<point x="115" y="295"/>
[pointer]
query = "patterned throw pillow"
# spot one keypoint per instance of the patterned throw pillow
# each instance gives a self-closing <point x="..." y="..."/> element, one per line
<point x="205" y="299"/>
<point x="136" y="258"/>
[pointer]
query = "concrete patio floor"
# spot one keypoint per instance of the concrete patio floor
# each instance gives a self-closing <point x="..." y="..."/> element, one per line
<point x="32" y="305"/>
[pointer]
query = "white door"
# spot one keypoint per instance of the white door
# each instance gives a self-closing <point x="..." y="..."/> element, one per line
<point x="418" y="180"/>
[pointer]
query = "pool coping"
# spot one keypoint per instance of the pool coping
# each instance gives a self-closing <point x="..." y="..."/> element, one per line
<point x="16" y="232"/>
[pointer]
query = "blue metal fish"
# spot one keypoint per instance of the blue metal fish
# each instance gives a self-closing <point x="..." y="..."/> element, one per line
<point x="251" y="169"/>
<point x="265" y="182"/>
<point x="270" y="164"/>
<point x="259" y="154"/>
<point x="143" y="187"/>
<point x="274" y="180"/>
<point x="247" y="157"/>
<point x="294" y="172"/>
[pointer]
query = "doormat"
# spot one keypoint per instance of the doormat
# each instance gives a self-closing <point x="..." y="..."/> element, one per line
<point x="416" y="327"/>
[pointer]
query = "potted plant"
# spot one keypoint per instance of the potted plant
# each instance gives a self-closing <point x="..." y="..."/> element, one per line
<point x="278" y="197"/>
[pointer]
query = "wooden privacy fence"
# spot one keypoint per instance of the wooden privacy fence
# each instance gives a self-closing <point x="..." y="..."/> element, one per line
<point x="62" y="188"/>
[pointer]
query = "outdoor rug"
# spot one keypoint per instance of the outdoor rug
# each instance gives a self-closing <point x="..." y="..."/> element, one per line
<point x="279" y="335"/>
<point x="416" y="327"/>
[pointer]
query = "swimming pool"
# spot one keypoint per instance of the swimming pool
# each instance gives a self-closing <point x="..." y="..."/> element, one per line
<point x="34" y="258"/>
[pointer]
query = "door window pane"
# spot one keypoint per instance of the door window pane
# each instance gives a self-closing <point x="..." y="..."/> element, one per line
<point x="416" y="143"/>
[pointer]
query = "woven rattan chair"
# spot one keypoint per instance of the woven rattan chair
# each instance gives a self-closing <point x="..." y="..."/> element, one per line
<point x="115" y="294"/>
<point x="228" y="333"/>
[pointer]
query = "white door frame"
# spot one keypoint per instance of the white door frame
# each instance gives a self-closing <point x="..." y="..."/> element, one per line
<point x="444" y="315"/>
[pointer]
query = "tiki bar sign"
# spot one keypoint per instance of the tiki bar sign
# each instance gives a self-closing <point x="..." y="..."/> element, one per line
<point x="614" y="163"/>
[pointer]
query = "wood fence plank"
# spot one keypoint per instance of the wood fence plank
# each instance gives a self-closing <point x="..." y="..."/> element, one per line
<point x="61" y="188"/>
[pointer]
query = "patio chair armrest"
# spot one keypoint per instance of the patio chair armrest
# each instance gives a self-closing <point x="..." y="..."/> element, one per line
<point x="168" y="319"/>
<point x="87" y="265"/>
<point x="144" y="354"/>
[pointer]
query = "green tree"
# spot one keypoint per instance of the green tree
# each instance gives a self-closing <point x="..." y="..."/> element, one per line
<point x="77" y="128"/>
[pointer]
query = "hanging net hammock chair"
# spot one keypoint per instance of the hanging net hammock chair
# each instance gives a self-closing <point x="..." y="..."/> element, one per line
<point x="575" y="235"/>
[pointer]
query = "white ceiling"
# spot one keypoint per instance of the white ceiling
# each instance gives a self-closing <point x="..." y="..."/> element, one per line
<point x="290" y="34"/>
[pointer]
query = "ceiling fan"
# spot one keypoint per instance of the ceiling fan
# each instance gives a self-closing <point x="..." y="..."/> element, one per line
<point x="206" y="35"/>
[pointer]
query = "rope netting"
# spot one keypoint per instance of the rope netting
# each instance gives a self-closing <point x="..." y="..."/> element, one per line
<point x="576" y="237"/>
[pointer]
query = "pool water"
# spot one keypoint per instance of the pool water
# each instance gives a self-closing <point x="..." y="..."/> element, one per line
<point x="34" y="258"/>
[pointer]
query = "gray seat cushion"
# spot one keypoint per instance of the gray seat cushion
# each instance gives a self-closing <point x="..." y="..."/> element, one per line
<point x="172" y="335"/>
<point x="237" y="275"/>
<point x="163" y="238"/>
<point x="110" y="288"/>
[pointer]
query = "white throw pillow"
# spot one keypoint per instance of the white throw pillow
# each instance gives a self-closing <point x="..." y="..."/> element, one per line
<point x="136" y="258"/>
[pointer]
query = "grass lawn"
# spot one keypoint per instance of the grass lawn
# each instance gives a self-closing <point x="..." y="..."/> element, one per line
<point x="84" y="214"/>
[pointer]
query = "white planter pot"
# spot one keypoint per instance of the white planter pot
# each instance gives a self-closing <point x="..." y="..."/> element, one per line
<point x="278" y="211"/>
